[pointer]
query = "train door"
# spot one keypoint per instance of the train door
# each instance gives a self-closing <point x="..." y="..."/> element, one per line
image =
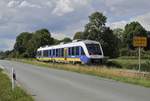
<point x="65" y="54"/>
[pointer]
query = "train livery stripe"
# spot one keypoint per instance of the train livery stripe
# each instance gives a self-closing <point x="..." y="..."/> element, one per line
<point x="60" y="59"/>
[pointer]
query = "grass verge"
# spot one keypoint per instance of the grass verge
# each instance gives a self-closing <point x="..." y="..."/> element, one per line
<point x="6" y="93"/>
<point x="129" y="63"/>
<point x="122" y="75"/>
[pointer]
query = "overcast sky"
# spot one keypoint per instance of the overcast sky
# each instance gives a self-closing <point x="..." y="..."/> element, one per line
<point x="65" y="17"/>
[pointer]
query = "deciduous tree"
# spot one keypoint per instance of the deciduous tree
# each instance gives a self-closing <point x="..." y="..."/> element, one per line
<point x="78" y="35"/>
<point x="133" y="29"/>
<point x="96" y="30"/>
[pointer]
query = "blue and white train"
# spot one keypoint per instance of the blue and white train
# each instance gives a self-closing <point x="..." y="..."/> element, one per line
<point x="84" y="52"/>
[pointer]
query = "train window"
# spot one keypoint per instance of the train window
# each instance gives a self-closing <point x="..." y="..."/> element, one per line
<point x="62" y="52"/>
<point x="77" y="50"/>
<point x="93" y="49"/>
<point x="50" y="52"/>
<point x="73" y="51"/>
<point x="53" y="52"/>
<point x="69" y="51"/>
<point x="57" y="52"/>
<point x="45" y="53"/>
<point x="82" y="51"/>
<point x="39" y="53"/>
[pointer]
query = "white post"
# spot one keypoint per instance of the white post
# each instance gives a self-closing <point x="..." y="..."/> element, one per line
<point x="139" y="59"/>
<point x="12" y="79"/>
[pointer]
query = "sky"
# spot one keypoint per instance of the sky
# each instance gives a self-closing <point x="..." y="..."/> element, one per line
<point x="65" y="17"/>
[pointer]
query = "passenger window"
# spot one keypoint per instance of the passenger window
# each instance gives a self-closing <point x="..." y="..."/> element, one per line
<point x="45" y="54"/>
<point x="53" y="52"/>
<point x="57" y="53"/>
<point x="77" y="50"/>
<point x="69" y="51"/>
<point x="49" y="52"/>
<point x="73" y="51"/>
<point x="62" y="52"/>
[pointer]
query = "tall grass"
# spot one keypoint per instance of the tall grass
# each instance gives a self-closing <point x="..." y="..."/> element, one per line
<point x="129" y="63"/>
<point x="6" y="93"/>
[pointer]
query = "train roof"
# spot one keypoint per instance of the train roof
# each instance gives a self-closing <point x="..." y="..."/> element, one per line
<point x="74" y="43"/>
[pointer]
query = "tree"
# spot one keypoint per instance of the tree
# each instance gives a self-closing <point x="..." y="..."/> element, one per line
<point x="95" y="26"/>
<point x="110" y="43"/>
<point x="66" y="40"/>
<point x="148" y="41"/>
<point x="40" y="38"/>
<point x="21" y="42"/>
<point x="78" y="35"/>
<point x="43" y="37"/>
<point x="96" y="30"/>
<point x="27" y="43"/>
<point x="56" y="41"/>
<point x="133" y="29"/>
<point x="4" y="54"/>
<point x="119" y="33"/>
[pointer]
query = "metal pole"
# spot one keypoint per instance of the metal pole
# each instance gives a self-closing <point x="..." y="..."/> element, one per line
<point x="139" y="59"/>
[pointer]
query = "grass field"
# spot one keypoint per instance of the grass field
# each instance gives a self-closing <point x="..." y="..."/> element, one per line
<point x="6" y="93"/>
<point x="122" y="75"/>
<point x="131" y="63"/>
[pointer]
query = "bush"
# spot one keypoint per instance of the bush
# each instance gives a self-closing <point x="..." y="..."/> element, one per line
<point x="123" y="52"/>
<point x="146" y="66"/>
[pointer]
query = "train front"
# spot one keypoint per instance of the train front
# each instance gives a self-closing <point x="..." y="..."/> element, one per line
<point x="94" y="53"/>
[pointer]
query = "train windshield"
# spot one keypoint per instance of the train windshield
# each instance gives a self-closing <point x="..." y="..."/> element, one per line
<point x="94" y="49"/>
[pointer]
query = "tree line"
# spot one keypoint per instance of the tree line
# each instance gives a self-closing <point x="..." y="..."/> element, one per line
<point x="115" y="42"/>
<point x="27" y="43"/>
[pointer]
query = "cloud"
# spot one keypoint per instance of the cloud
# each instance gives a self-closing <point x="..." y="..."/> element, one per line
<point x="21" y="4"/>
<point x="62" y="7"/>
<point x="6" y="44"/>
<point x="67" y="6"/>
<point x="58" y="35"/>
<point x="13" y="3"/>
<point x="65" y="17"/>
<point x="27" y="4"/>
<point x="119" y="24"/>
<point x="144" y="20"/>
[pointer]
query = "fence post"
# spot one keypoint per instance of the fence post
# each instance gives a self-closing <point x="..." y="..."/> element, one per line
<point x="13" y="78"/>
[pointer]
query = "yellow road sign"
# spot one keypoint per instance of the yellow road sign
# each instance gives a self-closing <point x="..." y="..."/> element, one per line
<point x="139" y="41"/>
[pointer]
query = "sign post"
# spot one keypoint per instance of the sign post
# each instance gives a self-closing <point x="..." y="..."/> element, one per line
<point x="139" y="59"/>
<point x="139" y="42"/>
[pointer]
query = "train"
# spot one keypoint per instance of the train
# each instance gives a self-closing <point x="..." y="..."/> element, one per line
<point x="77" y="51"/>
